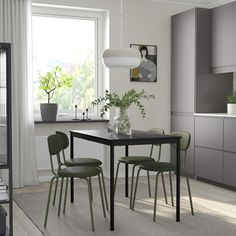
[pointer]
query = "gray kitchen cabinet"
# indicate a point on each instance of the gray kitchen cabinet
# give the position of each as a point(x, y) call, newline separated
point(186, 123)
point(224, 38)
point(229, 171)
point(209, 132)
point(183, 61)
point(215, 148)
point(209, 163)
point(194, 88)
point(230, 135)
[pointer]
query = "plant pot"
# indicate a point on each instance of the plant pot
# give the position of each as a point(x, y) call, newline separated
point(231, 108)
point(48, 111)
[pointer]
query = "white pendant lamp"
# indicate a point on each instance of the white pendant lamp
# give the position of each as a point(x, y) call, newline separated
point(121, 57)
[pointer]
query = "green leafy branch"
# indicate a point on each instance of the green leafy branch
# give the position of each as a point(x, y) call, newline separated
point(231, 98)
point(54, 79)
point(112, 99)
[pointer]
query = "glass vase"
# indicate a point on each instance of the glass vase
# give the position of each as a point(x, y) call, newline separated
point(122, 121)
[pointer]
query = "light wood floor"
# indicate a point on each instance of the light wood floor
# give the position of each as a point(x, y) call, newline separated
point(218, 199)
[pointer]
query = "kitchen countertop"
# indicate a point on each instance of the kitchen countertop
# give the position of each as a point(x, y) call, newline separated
point(226, 115)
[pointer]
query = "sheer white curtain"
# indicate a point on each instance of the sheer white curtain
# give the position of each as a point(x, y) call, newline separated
point(15, 27)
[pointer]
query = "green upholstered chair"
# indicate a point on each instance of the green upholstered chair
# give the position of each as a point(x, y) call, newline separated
point(161, 167)
point(56, 147)
point(136, 160)
point(79, 162)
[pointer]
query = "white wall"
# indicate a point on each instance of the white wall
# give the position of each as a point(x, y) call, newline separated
point(145, 22)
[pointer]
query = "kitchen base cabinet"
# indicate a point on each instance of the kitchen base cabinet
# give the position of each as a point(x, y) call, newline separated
point(185, 122)
point(229, 177)
point(215, 148)
point(208, 164)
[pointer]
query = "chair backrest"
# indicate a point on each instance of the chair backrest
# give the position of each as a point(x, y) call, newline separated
point(65, 139)
point(65, 143)
point(55, 147)
point(184, 145)
point(184, 141)
point(156, 131)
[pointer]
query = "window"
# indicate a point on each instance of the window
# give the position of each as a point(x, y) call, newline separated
point(71, 39)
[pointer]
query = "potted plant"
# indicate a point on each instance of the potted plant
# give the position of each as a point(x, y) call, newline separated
point(112, 99)
point(231, 102)
point(54, 79)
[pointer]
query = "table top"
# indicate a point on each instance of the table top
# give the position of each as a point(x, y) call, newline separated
point(137, 137)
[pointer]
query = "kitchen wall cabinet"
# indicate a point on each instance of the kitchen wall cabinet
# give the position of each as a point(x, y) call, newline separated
point(194, 88)
point(224, 38)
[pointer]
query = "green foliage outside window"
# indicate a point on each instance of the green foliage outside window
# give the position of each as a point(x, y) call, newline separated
point(81, 90)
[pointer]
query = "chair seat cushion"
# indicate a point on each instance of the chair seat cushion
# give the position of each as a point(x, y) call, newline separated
point(158, 166)
point(79, 171)
point(136, 159)
point(83, 162)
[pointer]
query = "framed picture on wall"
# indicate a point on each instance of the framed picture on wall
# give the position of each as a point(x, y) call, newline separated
point(147, 70)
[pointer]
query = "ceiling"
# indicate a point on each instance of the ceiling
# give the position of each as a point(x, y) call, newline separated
point(200, 3)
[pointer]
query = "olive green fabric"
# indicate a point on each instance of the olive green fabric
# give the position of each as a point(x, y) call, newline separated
point(158, 166)
point(184, 141)
point(55, 144)
point(79, 171)
point(93, 162)
point(65, 139)
point(77, 161)
point(136, 159)
point(83, 162)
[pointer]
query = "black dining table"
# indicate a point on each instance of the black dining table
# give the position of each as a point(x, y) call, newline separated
point(137, 137)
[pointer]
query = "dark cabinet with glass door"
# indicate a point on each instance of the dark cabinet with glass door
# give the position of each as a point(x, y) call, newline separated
point(6, 217)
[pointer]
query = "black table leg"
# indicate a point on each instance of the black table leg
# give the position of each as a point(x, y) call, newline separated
point(126, 173)
point(178, 180)
point(112, 228)
point(71, 179)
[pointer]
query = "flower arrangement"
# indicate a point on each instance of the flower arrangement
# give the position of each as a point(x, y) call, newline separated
point(112, 99)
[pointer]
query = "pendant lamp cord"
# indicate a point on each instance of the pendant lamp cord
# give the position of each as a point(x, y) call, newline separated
point(121, 23)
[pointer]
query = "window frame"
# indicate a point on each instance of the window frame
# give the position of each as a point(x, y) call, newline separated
point(80, 13)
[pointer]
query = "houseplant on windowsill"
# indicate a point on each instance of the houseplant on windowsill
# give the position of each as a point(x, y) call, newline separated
point(122, 103)
point(54, 79)
point(231, 103)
